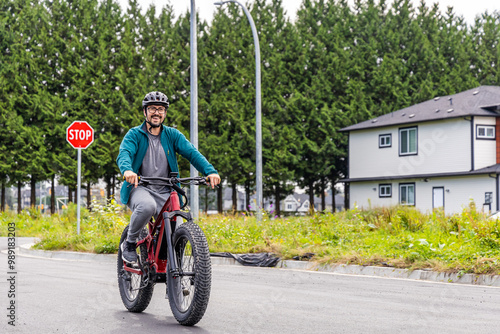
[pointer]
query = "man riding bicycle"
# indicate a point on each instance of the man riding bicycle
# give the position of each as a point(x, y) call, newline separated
point(150, 150)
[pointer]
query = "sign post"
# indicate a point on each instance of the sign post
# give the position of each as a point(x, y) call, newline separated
point(80, 135)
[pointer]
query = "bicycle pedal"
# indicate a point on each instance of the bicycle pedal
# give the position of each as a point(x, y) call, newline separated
point(133, 265)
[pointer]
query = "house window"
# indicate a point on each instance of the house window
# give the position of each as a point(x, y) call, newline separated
point(289, 207)
point(385, 140)
point(408, 141)
point(485, 132)
point(487, 197)
point(384, 190)
point(407, 193)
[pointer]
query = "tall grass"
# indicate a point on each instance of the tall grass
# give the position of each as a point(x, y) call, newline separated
point(100, 229)
point(400, 237)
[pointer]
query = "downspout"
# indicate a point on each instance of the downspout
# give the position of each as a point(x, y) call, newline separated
point(471, 120)
point(347, 194)
point(497, 189)
point(498, 201)
point(497, 142)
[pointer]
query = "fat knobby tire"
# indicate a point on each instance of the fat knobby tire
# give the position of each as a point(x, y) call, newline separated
point(203, 275)
point(141, 301)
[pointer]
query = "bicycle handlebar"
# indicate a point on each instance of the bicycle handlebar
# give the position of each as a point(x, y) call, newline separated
point(172, 181)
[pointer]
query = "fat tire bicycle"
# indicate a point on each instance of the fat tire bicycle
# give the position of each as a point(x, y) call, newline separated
point(168, 253)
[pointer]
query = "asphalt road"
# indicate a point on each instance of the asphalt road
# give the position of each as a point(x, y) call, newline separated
point(59, 296)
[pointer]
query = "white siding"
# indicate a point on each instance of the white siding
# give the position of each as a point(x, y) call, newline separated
point(365, 194)
point(290, 200)
point(443, 146)
point(458, 193)
point(484, 149)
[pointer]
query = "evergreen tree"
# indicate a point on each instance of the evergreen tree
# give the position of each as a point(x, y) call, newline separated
point(108, 101)
point(28, 99)
point(278, 40)
point(6, 71)
point(313, 103)
point(453, 51)
point(485, 49)
point(228, 109)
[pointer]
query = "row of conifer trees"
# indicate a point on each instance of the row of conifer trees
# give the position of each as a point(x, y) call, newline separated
point(331, 66)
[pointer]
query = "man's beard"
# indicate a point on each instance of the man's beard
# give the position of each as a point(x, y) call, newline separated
point(155, 119)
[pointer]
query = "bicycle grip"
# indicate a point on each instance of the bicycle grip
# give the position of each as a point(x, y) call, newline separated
point(138, 178)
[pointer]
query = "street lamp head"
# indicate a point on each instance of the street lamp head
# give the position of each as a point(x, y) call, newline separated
point(218, 3)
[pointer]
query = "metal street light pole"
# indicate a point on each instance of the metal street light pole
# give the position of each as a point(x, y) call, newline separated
point(194, 198)
point(258, 112)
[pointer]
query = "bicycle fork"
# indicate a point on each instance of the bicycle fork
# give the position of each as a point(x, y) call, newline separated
point(167, 217)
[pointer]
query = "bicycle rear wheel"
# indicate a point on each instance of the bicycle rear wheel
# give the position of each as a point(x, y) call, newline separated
point(135, 290)
point(188, 294)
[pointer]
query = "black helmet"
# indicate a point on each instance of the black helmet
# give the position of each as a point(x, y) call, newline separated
point(156, 98)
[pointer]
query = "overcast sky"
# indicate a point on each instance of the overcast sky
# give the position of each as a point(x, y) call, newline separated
point(467, 8)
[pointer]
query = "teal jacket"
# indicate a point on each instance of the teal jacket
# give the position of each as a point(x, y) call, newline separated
point(135, 144)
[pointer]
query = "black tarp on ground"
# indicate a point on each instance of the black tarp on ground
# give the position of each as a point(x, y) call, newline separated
point(253, 259)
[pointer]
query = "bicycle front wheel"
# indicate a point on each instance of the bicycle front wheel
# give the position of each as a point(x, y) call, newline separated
point(188, 293)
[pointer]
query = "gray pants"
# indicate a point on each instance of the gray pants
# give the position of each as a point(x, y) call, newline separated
point(144, 204)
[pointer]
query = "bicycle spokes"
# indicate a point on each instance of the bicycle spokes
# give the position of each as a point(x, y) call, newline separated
point(135, 284)
point(186, 279)
point(132, 284)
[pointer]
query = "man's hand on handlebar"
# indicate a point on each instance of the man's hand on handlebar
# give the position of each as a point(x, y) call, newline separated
point(214, 180)
point(131, 178)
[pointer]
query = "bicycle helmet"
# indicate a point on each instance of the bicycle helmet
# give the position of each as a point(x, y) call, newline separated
point(156, 98)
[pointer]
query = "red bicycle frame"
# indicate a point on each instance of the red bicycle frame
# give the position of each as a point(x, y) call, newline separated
point(172, 205)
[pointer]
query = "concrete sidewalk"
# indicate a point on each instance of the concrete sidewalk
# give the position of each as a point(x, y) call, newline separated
point(386, 272)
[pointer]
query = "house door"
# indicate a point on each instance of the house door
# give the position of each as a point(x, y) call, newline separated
point(438, 197)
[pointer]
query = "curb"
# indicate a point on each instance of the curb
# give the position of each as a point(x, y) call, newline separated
point(343, 269)
point(423, 275)
point(25, 250)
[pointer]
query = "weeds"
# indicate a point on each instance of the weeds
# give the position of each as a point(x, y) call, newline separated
point(400, 237)
point(100, 229)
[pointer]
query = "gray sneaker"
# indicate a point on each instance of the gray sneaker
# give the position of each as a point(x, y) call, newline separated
point(129, 253)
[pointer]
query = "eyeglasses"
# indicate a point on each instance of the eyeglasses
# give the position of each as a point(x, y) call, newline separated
point(159, 110)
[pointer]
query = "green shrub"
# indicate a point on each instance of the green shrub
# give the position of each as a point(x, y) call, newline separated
point(398, 236)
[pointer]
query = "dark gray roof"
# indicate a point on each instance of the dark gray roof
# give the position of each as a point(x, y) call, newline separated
point(301, 198)
point(493, 169)
point(480, 101)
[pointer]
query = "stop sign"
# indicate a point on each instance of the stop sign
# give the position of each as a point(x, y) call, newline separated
point(80, 134)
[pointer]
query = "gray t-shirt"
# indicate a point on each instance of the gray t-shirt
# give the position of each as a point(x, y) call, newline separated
point(155, 162)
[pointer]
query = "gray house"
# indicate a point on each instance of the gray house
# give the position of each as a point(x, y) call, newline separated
point(300, 204)
point(295, 203)
point(442, 153)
